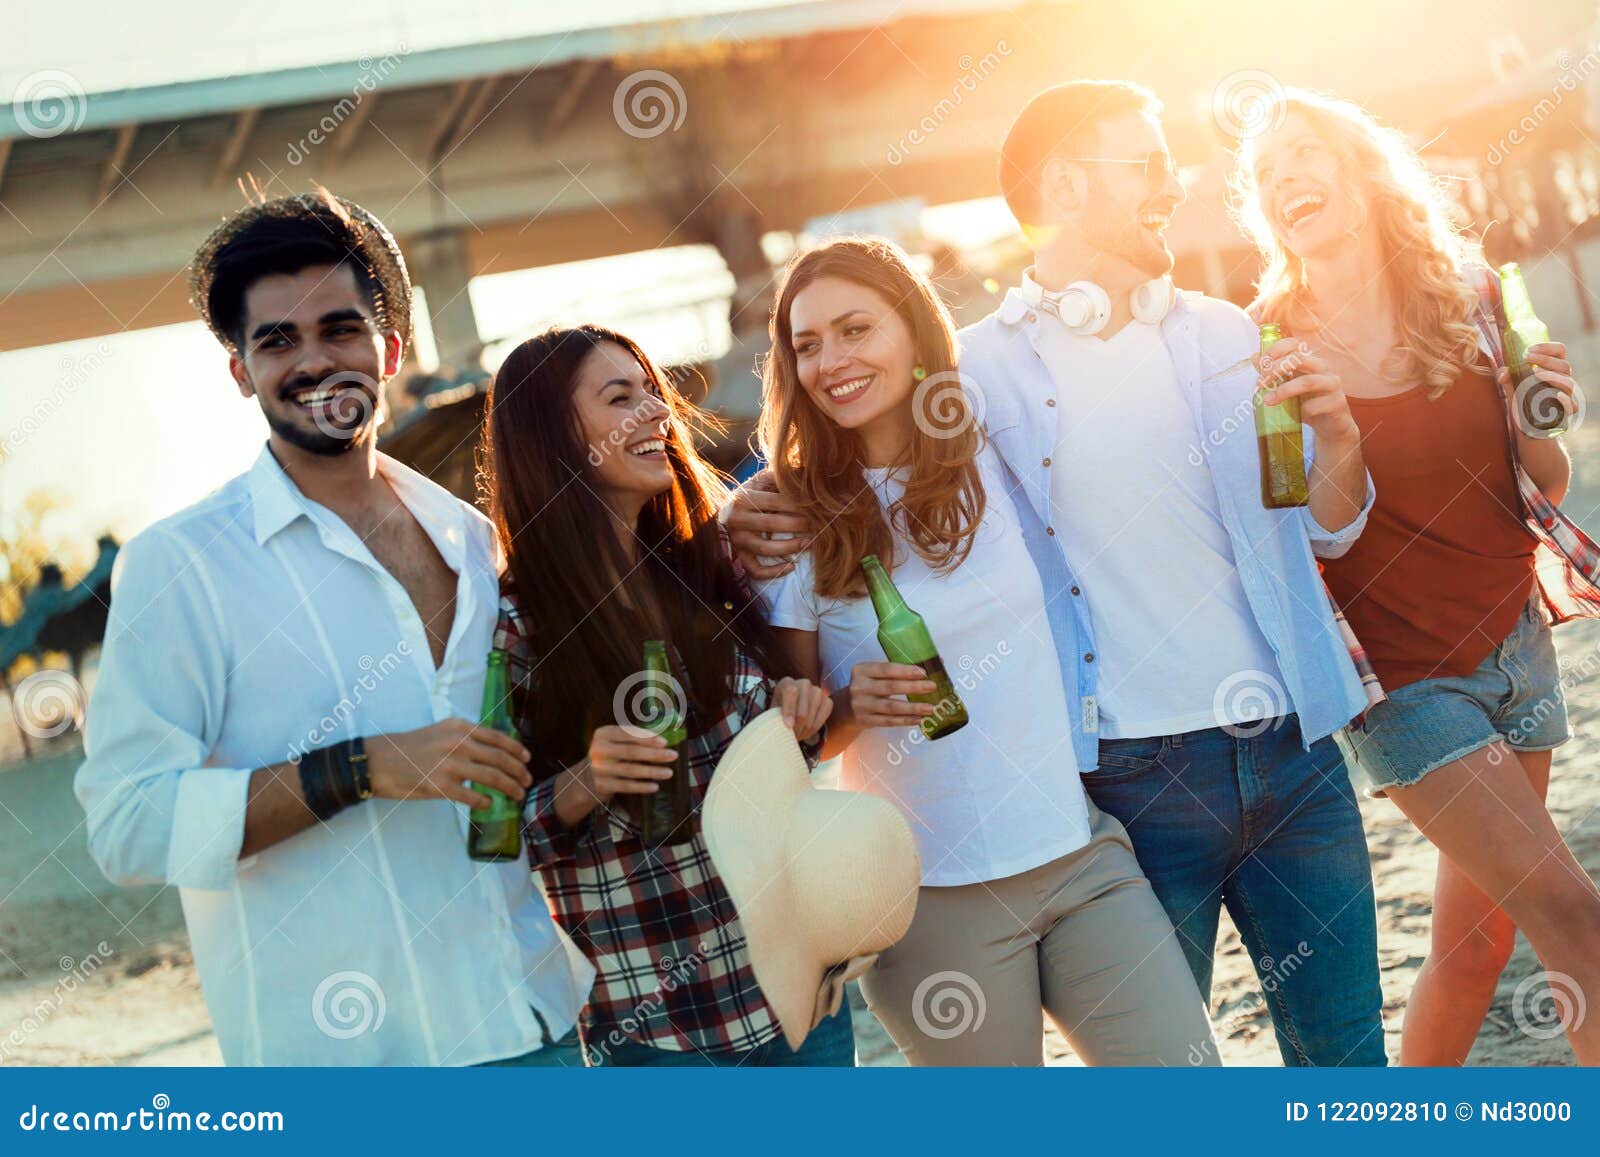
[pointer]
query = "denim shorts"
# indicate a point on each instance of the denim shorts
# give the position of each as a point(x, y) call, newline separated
point(1515, 694)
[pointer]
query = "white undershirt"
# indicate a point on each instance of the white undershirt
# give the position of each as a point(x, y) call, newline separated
point(1136, 510)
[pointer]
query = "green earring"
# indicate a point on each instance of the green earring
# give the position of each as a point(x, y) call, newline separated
point(918, 373)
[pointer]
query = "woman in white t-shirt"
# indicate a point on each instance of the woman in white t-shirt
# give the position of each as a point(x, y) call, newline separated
point(1032, 901)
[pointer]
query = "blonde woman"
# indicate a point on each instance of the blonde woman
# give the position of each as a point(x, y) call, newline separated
point(1032, 901)
point(1375, 288)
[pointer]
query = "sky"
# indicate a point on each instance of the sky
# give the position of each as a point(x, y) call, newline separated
point(130, 427)
point(202, 38)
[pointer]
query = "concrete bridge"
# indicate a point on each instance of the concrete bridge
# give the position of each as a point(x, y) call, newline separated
point(513, 154)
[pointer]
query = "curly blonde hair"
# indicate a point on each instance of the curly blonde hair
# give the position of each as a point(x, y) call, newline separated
point(1424, 252)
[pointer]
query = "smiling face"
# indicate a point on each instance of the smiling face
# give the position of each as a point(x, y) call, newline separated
point(853, 356)
point(315, 358)
point(625, 424)
point(1117, 209)
point(1300, 191)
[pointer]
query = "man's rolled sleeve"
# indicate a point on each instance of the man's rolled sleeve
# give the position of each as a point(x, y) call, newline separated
point(155, 813)
point(1333, 543)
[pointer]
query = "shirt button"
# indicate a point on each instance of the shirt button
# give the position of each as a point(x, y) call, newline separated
point(1050, 530)
point(1049, 401)
point(1089, 658)
point(1075, 590)
point(1032, 317)
point(1047, 462)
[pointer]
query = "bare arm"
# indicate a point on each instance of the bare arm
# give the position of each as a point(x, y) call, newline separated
point(1337, 482)
point(876, 696)
point(432, 762)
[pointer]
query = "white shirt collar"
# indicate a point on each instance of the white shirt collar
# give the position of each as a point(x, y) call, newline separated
point(276, 502)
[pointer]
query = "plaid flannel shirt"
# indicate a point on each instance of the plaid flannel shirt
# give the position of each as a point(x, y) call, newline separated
point(672, 967)
point(1566, 561)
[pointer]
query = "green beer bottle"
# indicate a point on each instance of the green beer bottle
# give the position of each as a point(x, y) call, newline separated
point(667, 815)
point(496, 832)
point(905, 639)
point(1280, 445)
point(1539, 411)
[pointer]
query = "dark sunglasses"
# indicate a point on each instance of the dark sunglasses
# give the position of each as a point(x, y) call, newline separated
point(1157, 165)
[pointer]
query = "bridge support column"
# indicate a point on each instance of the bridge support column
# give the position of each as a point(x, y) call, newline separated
point(438, 263)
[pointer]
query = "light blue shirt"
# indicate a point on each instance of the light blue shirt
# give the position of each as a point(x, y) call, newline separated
point(255, 624)
point(1274, 550)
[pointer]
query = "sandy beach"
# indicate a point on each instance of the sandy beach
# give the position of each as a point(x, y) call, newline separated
point(93, 974)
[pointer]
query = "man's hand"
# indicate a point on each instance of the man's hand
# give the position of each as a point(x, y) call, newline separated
point(756, 513)
point(435, 761)
point(1288, 369)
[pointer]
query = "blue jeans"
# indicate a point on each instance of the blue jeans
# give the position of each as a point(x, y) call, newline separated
point(832, 1044)
point(566, 1053)
point(1251, 820)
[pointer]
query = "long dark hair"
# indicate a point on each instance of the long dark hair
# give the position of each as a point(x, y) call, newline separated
point(564, 560)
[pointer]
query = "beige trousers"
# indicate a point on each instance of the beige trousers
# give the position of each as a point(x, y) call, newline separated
point(1082, 939)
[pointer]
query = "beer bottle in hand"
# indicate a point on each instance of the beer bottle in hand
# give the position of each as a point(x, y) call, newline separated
point(665, 816)
point(496, 832)
point(1280, 445)
point(1539, 412)
point(905, 639)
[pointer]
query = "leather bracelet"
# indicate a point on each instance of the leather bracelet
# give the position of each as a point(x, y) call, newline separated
point(316, 785)
point(334, 777)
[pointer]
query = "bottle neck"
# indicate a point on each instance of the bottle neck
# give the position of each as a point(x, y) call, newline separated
point(1514, 298)
point(496, 694)
point(886, 600)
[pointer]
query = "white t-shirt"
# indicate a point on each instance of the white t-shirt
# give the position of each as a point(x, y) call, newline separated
point(1001, 795)
point(1136, 511)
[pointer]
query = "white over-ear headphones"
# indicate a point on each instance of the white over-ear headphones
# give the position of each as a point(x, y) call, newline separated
point(1084, 307)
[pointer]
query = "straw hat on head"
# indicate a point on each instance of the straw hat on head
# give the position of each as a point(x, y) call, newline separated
point(347, 225)
point(822, 881)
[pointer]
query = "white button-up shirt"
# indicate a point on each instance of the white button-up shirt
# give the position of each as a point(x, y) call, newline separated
point(255, 624)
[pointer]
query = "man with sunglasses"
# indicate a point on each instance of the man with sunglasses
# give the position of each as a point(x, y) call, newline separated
point(1205, 652)
point(1205, 667)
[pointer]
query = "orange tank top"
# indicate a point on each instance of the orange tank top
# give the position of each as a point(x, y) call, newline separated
point(1445, 564)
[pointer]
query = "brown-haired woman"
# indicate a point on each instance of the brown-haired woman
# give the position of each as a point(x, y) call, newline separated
point(1032, 900)
point(608, 519)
